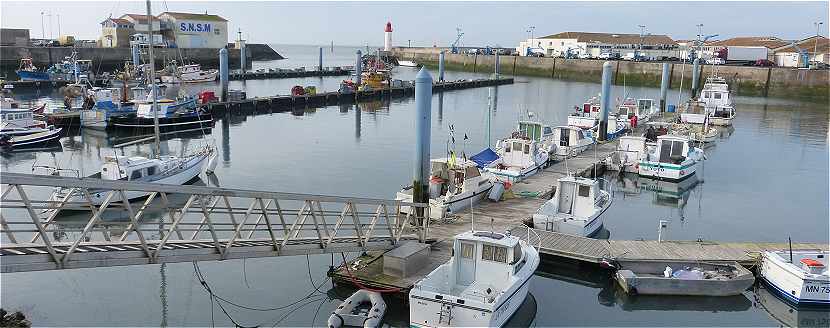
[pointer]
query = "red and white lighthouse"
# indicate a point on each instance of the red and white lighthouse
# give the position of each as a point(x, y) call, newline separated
point(387, 33)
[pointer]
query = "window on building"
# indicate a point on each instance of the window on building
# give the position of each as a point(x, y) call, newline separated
point(468, 250)
point(216, 31)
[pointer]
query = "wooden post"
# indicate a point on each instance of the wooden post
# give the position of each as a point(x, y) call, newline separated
point(671, 75)
point(475, 62)
point(553, 69)
point(514, 64)
point(766, 84)
point(616, 72)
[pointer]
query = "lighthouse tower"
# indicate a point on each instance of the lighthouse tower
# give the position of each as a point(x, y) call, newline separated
point(387, 40)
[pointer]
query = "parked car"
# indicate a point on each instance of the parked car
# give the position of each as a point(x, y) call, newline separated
point(584, 56)
point(764, 63)
point(629, 56)
point(606, 55)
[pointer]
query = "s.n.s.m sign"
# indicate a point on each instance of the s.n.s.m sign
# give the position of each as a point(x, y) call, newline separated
point(194, 27)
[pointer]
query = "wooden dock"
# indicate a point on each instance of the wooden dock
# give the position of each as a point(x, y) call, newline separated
point(334, 98)
point(527, 196)
point(287, 73)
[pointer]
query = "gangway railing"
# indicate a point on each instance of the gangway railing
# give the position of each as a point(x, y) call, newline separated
point(54, 222)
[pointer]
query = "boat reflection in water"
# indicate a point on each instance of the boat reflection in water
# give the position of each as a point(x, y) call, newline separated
point(665, 193)
point(788, 315)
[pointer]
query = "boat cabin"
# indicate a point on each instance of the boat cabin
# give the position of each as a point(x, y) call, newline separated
point(26, 65)
point(670, 149)
point(534, 130)
point(481, 266)
point(517, 152)
point(645, 106)
point(576, 197)
point(570, 140)
point(715, 93)
point(449, 178)
point(18, 118)
point(130, 168)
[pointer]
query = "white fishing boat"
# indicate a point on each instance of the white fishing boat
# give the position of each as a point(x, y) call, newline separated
point(801, 276)
point(716, 98)
point(482, 285)
point(569, 141)
point(19, 121)
point(673, 158)
point(694, 112)
point(454, 185)
point(163, 169)
point(587, 117)
point(524, 153)
point(626, 158)
point(576, 207)
point(191, 73)
point(407, 63)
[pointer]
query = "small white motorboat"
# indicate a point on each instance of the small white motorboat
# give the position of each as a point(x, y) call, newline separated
point(684, 278)
point(454, 185)
point(569, 141)
point(576, 207)
point(363, 309)
point(626, 158)
point(801, 277)
point(694, 112)
point(717, 100)
point(673, 158)
point(482, 285)
point(407, 63)
point(587, 118)
point(191, 73)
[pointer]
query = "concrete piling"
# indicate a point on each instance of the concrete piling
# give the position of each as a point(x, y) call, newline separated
point(223, 72)
point(320, 60)
point(441, 66)
point(602, 133)
point(358, 69)
point(136, 56)
point(243, 57)
point(695, 76)
point(496, 64)
point(423, 119)
point(664, 87)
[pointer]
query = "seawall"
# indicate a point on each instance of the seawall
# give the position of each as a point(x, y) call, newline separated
point(109, 58)
point(782, 82)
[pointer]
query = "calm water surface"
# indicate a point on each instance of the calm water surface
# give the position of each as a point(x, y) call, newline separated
point(764, 180)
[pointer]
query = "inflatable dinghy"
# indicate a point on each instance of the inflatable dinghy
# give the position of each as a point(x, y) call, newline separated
point(363, 309)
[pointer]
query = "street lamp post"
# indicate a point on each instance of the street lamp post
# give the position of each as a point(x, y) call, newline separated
point(409, 43)
point(42, 26)
point(642, 35)
point(699, 40)
point(818, 33)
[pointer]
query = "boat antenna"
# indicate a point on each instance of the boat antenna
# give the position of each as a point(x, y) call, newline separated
point(472, 217)
point(488, 113)
point(790, 242)
point(153, 78)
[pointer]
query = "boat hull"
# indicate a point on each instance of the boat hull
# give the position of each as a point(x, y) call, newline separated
point(792, 287)
point(33, 76)
point(666, 171)
point(721, 121)
point(165, 123)
point(634, 281)
point(33, 139)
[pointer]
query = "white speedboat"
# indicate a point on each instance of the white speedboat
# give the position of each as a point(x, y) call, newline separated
point(454, 185)
point(482, 284)
point(801, 277)
point(694, 112)
point(673, 158)
point(519, 158)
point(191, 73)
point(576, 207)
point(626, 158)
point(587, 118)
point(569, 141)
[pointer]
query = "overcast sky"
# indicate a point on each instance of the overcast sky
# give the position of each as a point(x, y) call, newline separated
point(428, 23)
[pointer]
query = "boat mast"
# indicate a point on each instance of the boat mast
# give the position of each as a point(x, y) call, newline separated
point(153, 78)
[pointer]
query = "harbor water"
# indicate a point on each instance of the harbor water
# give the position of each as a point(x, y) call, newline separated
point(765, 180)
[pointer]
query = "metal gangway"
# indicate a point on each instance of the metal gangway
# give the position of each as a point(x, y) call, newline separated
point(91, 223)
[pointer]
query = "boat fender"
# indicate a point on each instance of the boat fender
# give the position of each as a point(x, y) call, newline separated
point(335, 321)
point(667, 273)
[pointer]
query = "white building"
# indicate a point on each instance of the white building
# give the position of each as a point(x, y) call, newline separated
point(815, 47)
point(594, 44)
point(187, 30)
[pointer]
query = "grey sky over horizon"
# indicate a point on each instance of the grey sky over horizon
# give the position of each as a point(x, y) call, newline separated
point(434, 23)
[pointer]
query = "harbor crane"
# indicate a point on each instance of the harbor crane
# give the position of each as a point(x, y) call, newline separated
point(455, 44)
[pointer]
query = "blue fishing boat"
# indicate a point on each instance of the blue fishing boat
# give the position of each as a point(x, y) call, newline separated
point(28, 72)
point(70, 69)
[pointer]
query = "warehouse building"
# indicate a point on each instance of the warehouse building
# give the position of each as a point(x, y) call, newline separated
point(576, 44)
point(173, 29)
point(793, 55)
point(187, 30)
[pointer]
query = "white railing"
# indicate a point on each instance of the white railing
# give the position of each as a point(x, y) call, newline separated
point(168, 220)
